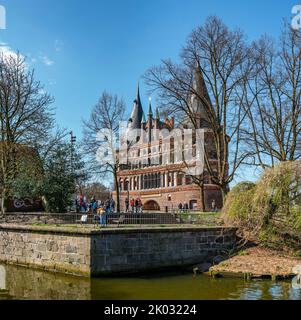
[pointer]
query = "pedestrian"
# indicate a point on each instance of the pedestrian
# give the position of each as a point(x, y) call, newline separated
point(112, 205)
point(186, 207)
point(140, 205)
point(133, 205)
point(102, 217)
point(77, 208)
point(213, 206)
point(180, 207)
point(82, 204)
point(127, 205)
point(136, 205)
point(107, 206)
point(94, 206)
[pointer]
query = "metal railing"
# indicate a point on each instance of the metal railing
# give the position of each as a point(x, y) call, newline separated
point(114, 219)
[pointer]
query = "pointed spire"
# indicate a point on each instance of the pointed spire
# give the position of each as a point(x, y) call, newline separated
point(136, 116)
point(138, 93)
point(200, 100)
point(157, 117)
point(150, 111)
point(199, 84)
point(143, 121)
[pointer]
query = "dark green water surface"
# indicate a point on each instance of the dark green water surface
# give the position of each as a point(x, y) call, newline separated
point(22, 283)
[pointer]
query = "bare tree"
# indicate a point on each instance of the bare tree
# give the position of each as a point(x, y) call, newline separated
point(101, 136)
point(272, 99)
point(25, 117)
point(203, 88)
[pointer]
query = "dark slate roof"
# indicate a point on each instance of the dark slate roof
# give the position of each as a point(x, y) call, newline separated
point(137, 113)
point(157, 117)
point(200, 85)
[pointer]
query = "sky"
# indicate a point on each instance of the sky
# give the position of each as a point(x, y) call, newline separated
point(81, 48)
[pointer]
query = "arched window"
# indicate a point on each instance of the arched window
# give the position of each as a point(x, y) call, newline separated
point(126, 184)
point(180, 179)
point(188, 180)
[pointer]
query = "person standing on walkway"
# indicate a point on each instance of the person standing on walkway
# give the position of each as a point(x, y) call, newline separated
point(127, 205)
point(112, 205)
point(107, 206)
point(140, 205)
point(180, 207)
point(102, 216)
point(94, 206)
point(136, 205)
point(132, 205)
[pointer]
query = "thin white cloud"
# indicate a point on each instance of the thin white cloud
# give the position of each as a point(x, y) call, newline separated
point(7, 51)
point(47, 61)
point(58, 45)
point(52, 82)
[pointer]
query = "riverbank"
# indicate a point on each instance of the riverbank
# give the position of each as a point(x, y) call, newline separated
point(93, 252)
point(257, 262)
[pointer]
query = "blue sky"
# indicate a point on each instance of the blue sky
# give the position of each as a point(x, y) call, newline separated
point(80, 48)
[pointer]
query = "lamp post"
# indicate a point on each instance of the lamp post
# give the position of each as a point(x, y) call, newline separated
point(128, 190)
point(120, 190)
point(72, 142)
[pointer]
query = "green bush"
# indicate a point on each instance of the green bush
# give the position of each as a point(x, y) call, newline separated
point(270, 210)
point(238, 203)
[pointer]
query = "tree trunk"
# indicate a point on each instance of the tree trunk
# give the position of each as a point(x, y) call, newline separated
point(225, 191)
point(117, 192)
point(202, 199)
point(3, 203)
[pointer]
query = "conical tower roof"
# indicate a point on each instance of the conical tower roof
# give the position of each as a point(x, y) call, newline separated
point(136, 116)
point(150, 110)
point(157, 117)
point(143, 118)
point(200, 99)
point(199, 84)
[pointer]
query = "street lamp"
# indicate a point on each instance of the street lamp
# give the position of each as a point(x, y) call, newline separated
point(128, 190)
point(72, 141)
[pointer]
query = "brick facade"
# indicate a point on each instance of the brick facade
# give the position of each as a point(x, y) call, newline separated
point(155, 171)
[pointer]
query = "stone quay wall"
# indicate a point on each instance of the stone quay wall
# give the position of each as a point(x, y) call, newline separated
point(86, 252)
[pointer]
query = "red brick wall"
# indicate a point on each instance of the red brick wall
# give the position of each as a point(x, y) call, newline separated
point(178, 195)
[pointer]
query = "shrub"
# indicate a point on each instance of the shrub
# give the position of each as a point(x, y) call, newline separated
point(270, 210)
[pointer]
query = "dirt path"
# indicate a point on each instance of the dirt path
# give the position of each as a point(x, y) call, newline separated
point(257, 262)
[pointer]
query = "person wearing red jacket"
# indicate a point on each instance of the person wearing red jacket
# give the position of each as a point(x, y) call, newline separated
point(132, 205)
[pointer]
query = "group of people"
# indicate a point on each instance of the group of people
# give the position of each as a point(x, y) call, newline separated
point(98, 208)
point(93, 206)
point(134, 204)
point(183, 207)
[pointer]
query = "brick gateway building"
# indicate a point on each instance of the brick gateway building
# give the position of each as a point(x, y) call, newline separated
point(163, 185)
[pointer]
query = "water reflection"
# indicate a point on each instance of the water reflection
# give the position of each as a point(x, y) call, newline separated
point(22, 283)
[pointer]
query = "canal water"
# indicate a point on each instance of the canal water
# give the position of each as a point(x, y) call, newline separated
point(22, 283)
